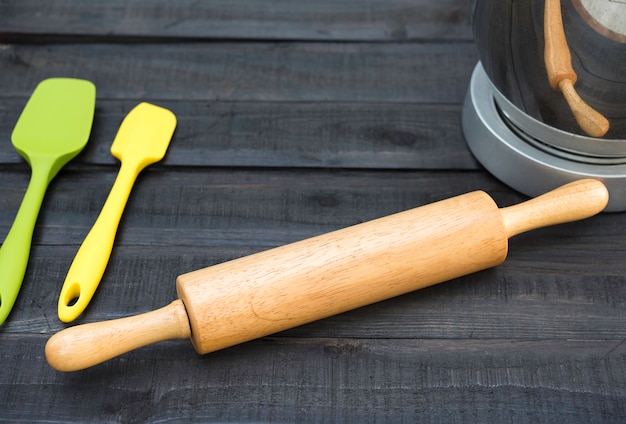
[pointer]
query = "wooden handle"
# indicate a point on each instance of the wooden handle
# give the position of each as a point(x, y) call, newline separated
point(86, 345)
point(589, 120)
point(561, 74)
point(556, 52)
point(291, 285)
point(571, 202)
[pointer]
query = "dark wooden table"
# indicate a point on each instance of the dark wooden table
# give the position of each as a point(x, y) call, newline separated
point(295, 118)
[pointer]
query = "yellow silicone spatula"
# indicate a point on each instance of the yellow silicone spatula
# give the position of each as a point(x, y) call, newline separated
point(142, 139)
point(53, 128)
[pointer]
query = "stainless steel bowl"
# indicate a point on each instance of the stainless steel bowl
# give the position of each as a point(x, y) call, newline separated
point(519, 127)
point(509, 36)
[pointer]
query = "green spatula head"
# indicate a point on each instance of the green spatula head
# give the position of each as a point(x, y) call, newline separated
point(53, 128)
point(56, 121)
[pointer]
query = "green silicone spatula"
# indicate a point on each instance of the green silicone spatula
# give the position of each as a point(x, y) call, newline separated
point(53, 128)
point(142, 139)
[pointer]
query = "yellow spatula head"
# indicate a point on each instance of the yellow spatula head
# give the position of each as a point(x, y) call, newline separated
point(144, 134)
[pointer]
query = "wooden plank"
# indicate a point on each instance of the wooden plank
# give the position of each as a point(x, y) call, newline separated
point(326, 380)
point(363, 20)
point(215, 207)
point(251, 134)
point(210, 207)
point(515, 300)
point(303, 72)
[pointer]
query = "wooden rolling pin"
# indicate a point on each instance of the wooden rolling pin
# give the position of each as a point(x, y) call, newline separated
point(561, 74)
point(295, 284)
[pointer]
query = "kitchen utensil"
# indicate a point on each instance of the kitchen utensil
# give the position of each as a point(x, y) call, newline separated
point(561, 74)
point(142, 139)
point(52, 129)
point(271, 291)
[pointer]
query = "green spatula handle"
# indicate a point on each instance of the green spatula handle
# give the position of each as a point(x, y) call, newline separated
point(92, 258)
point(15, 249)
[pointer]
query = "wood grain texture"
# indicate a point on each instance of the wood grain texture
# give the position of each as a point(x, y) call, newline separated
point(284, 134)
point(295, 119)
point(362, 72)
point(356, 20)
point(339, 380)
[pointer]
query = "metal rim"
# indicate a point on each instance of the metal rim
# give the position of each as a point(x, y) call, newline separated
point(593, 148)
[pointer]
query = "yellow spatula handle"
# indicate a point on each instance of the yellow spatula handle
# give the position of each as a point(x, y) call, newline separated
point(92, 258)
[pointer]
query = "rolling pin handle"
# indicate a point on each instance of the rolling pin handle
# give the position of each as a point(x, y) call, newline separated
point(571, 202)
point(83, 346)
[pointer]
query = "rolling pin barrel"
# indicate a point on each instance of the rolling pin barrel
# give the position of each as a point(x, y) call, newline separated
point(281, 288)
